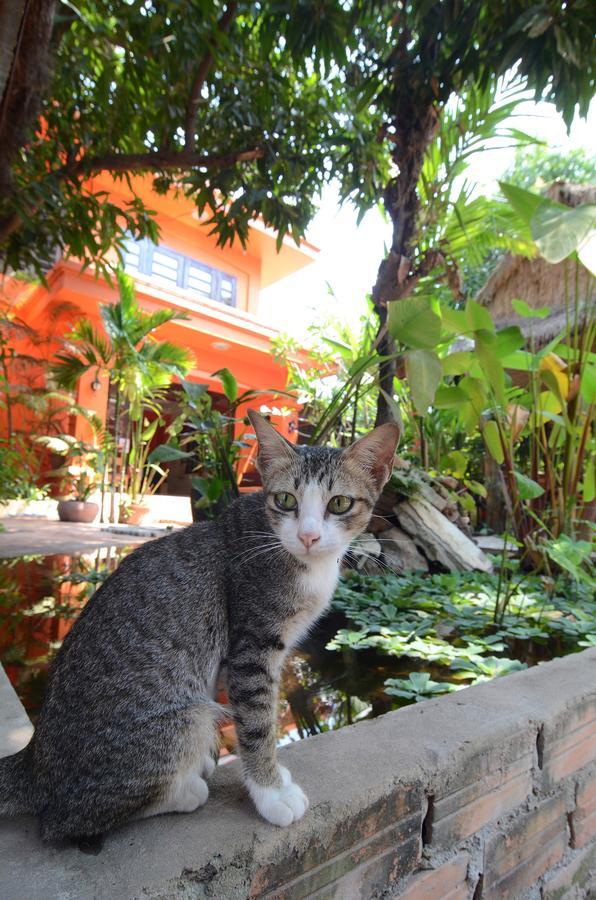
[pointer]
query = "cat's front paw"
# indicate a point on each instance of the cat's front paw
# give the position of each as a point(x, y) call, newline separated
point(280, 806)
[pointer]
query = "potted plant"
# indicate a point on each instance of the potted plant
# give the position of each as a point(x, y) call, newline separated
point(78, 477)
point(208, 439)
point(145, 476)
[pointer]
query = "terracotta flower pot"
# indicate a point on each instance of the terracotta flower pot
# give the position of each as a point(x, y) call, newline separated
point(133, 514)
point(77, 510)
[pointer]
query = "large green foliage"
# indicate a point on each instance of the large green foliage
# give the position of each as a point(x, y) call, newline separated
point(250, 108)
point(549, 411)
point(138, 368)
point(234, 105)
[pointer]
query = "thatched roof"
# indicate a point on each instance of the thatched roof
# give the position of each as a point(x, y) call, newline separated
point(538, 282)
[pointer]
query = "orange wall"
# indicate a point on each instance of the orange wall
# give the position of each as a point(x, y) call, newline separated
point(181, 230)
point(247, 355)
point(217, 335)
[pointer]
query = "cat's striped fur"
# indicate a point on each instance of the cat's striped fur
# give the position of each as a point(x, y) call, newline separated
point(129, 726)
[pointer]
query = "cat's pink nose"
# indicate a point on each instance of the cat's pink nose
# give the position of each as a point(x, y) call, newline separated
point(309, 538)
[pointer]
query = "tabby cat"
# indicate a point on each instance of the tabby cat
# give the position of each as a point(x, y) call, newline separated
point(128, 728)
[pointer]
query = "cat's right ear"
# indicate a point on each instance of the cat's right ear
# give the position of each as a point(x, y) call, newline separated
point(271, 444)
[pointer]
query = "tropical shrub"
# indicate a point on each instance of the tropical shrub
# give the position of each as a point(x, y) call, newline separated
point(80, 474)
point(336, 385)
point(19, 473)
point(210, 439)
point(138, 368)
point(541, 434)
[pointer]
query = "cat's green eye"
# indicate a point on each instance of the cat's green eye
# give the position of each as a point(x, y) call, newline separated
point(285, 501)
point(339, 505)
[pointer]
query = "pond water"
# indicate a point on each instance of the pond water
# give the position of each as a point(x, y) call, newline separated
point(41, 596)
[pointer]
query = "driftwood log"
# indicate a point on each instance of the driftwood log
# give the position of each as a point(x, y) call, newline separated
point(418, 527)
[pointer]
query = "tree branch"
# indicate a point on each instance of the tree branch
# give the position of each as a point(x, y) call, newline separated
point(223, 26)
point(156, 160)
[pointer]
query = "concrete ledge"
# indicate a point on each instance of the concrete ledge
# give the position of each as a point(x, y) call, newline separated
point(15, 727)
point(39, 509)
point(26, 536)
point(450, 798)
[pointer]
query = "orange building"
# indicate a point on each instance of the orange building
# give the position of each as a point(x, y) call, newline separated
point(217, 288)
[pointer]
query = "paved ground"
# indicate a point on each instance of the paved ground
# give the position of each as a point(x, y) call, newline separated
point(28, 534)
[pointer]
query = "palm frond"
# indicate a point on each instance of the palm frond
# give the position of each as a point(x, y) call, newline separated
point(66, 370)
point(127, 297)
point(169, 356)
point(90, 342)
point(472, 228)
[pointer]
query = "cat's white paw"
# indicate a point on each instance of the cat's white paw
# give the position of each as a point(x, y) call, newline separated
point(280, 806)
point(208, 767)
point(192, 793)
point(186, 793)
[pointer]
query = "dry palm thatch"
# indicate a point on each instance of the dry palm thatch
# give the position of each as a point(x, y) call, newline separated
point(538, 282)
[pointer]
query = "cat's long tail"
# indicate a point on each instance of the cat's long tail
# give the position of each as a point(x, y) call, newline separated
point(15, 785)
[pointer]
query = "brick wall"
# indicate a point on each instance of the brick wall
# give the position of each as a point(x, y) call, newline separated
point(484, 794)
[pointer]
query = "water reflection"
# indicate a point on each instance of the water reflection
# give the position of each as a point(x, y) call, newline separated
point(41, 596)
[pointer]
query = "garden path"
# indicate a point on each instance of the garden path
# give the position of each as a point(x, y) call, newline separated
point(24, 535)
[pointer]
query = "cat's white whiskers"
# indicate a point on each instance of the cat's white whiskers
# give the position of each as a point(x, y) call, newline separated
point(376, 559)
point(253, 552)
point(263, 552)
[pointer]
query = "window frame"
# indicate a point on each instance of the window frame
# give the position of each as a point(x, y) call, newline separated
point(184, 263)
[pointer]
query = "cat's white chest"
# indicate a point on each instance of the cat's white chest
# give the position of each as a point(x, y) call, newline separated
point(319, 581)
point(317, 585)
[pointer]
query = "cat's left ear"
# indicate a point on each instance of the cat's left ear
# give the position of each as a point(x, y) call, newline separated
point(375, 452)
point(271, 444)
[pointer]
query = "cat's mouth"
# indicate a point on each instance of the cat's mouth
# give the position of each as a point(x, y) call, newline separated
point(315, 552)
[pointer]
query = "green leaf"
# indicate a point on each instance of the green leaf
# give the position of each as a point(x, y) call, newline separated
point(520, 362)
point(211, 488)
point(456, 463)
point(457, 363)
point(476, 488)
point(587, 253)
point(229, 384)
point(522, 309)
point(454, 320)
point(478, 317)
point(414, 322)
point(492, 368)
point(525, 203)
point(470, 412)
point(508, 341)
point(573, 556)
point(560, 232)
point(588, 383)
point(528, 489)
point(167, 453)
point(449, 396)
point(423, 369)
point(194, 391)
point(490, 433)
point(149, 432)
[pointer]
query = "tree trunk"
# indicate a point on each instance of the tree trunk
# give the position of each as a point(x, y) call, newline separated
point(397, 275)
point(11, 18)
point(25, 33)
